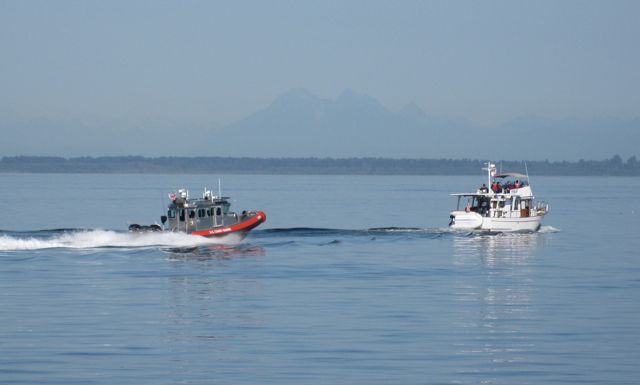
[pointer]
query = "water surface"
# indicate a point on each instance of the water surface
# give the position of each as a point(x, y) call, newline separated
point(317, 294)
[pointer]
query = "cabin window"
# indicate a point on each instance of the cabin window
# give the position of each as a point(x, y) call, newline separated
point(192, 213)
point(218, 211)
point(200, 213)
point(171, 213)
point(181, 215)
point(508, 203)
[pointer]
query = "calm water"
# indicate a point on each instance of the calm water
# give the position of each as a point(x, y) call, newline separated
point(312, 296)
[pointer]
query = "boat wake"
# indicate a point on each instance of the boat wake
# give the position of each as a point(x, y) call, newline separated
point(548, 229)
point(320, 232)
point(411, 232)
point(96, 238)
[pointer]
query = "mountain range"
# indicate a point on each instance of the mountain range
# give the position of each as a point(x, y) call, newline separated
point(300, 124)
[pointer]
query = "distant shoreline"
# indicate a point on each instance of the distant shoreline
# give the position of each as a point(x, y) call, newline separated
point(614, 166)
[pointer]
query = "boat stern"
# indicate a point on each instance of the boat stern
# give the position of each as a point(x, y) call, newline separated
point(464, 220)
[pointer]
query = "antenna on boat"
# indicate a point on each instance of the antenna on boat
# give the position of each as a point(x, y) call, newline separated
point(491, 171)
point(527, 172)
point(219, 189)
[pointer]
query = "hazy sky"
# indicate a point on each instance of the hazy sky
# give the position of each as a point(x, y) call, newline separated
point(207, 62)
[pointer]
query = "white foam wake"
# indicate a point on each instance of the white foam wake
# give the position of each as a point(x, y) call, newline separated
point(548, 229)
point(106, 238)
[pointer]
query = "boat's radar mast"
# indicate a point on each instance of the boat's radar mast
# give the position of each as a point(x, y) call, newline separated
point(207, 194)
point(491, 171)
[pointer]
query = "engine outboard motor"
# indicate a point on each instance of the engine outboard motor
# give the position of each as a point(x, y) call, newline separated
point(136, 228)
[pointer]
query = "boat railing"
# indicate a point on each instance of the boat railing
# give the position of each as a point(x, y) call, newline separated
point(508, 213)
point(542, 207)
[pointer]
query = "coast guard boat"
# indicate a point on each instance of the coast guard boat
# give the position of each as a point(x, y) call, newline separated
point(504, 204)
point(208, 216)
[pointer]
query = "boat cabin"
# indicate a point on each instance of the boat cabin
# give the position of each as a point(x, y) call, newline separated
point(185, 214)
point(496, 205)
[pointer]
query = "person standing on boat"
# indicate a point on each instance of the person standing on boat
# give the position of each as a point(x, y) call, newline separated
point(484, 188)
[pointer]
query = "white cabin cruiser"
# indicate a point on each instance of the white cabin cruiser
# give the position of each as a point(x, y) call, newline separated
point(504, 204)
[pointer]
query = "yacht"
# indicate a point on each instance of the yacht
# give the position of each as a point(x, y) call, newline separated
point(504, 204)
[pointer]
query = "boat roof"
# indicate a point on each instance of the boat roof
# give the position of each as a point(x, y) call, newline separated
point(470, 194)
point(201, 202)
point(491, 194)
point(511, 174)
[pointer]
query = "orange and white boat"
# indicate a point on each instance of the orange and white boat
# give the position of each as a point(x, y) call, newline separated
point(207, 216)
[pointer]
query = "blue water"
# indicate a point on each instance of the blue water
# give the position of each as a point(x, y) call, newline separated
point(314, 296)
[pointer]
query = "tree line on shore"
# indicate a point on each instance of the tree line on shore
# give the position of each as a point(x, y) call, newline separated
point(615, 166)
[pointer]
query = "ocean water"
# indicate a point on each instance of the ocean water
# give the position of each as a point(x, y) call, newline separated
point(352, 280)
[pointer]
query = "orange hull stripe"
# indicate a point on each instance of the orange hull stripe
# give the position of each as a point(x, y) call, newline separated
point(242, 226)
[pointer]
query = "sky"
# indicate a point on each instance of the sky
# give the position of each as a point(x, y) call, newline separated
point(209, 63)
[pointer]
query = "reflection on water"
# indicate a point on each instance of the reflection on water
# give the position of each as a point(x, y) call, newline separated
point(495, 296)
point(214, 252)
point(496, 249)
point(210, 308)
